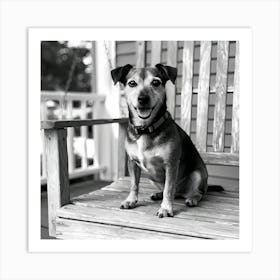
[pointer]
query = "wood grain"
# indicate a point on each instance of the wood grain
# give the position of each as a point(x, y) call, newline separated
point(217, 216)
point(71, 229)
point(220, 158)
point(79, 123)
point(155, 53)
point(235, 105)
point(150, 222)
point(97, 215)
point(203, 95)
point(57, 174)
point(215, 207)
point(170, 88)
point(221, 92)
point(186, 92)
point(140, 54)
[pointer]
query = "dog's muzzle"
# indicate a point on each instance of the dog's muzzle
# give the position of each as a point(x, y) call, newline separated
point(143, 113)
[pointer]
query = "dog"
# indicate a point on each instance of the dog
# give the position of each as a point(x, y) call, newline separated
point(155, 144)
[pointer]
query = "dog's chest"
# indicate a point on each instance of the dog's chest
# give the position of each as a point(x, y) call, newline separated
point(150, 158)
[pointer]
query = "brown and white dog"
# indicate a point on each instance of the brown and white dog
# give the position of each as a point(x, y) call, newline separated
point(155, 144)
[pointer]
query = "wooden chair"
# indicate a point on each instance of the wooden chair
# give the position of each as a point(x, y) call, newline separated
point(97, 214)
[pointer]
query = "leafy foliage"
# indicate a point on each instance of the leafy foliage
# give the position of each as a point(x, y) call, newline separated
point(57, 60)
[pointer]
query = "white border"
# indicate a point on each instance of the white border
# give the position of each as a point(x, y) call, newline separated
point(243, 244)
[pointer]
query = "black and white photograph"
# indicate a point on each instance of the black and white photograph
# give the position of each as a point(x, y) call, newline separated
point(140, 139)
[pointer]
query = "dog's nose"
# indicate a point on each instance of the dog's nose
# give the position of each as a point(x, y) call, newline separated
point(143, 99)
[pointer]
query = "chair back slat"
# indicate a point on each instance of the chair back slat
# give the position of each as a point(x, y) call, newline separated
point(155, 52)
point(203, 95)
point(84, 135)
point(170, 88)
point(140, 54)
point(186, 92)
point(208, 72)
point(221, 93)
point(235, 105)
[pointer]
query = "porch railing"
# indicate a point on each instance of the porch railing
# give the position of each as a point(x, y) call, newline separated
point(82, 156)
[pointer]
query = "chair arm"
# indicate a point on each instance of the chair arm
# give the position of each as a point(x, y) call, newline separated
point(55, 135)
point(56, 124)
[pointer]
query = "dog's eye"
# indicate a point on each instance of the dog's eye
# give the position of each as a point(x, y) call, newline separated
point(132, 83)
point(156, 83)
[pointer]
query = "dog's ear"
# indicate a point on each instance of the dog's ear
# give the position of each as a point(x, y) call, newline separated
point(118, 74)
point(170, 73)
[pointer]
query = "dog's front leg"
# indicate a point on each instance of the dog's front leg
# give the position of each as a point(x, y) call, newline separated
point(134, 172)
point(166, 207)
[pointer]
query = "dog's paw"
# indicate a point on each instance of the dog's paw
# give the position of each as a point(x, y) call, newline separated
point(128, 204)
point(191, 202)
point(162, 212)
point(156, 196)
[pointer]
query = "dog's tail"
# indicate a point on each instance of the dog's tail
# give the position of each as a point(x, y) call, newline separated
point(215, 188)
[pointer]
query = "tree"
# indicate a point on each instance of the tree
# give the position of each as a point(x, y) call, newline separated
point(57, 60)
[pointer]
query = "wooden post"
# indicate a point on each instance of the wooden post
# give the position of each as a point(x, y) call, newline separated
point(43, 118)
point(95, 108)
point(107, 138)
point(121, 150)
point(57, 173)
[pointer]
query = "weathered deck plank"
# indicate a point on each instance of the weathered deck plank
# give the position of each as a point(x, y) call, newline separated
point(72, 229)
point(175, 225)
point(97, 215)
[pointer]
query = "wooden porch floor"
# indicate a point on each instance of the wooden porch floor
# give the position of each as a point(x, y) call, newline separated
point(97, 215)
point(76, 189)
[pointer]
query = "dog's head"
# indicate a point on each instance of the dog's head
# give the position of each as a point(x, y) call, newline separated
point(144, 89)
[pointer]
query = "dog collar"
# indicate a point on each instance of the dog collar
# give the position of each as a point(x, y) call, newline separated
point(149, 129)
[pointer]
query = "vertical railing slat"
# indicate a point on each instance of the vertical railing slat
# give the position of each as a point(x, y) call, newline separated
point(155, 53)
point(94, 107)
point(140, 54)
point(60, 110)
point(70, 137)
point(95, 115)
point(170, 88)
point(186, 92)
point(203, 95)
point(121, 150)
point(221, 92)
point(235, 105)
point(84, 134)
